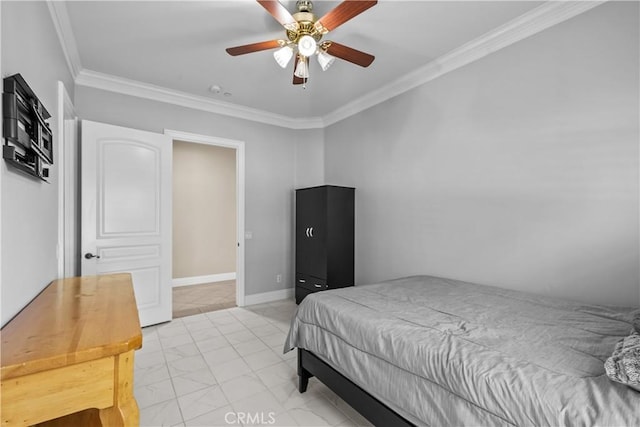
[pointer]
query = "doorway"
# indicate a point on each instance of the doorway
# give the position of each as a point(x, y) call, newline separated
point(208, 223)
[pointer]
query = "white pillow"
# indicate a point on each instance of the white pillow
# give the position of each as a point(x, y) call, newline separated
point(624, 364)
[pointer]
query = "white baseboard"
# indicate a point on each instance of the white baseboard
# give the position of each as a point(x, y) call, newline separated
point(268, 296)
point(198, 280)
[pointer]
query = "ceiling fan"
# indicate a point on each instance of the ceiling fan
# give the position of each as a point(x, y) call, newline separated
point(304, 34)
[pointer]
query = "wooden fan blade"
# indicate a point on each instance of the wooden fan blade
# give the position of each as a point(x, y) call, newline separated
point(350, 54)
point(296, 80)
point(278, 11)
point(254, 47)
point(342, 13)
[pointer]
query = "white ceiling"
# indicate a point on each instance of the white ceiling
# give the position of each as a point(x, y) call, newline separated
point(180, 45)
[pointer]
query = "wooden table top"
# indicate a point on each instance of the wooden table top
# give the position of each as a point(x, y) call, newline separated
point(72, 320)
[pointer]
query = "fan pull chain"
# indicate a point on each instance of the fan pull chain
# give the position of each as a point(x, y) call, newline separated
point(304, 81)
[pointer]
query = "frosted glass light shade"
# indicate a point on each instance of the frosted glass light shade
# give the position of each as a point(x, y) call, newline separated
point(307, 46)
point(325, 60)
point(283, 56)
point(302, 70)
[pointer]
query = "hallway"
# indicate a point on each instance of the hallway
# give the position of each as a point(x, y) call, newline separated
point(196, 299)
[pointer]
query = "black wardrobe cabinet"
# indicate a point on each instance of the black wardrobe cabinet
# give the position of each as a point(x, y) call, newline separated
point(325, 219)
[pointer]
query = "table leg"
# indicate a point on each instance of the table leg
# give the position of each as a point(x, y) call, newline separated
point(124, 411)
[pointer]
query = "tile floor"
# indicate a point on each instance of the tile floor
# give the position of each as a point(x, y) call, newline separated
point(195, 299)
point(215, 368)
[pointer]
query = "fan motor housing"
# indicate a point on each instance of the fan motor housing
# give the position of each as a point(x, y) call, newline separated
point(306, 27)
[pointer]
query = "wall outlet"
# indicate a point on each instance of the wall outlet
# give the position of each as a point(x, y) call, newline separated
point(278, 278)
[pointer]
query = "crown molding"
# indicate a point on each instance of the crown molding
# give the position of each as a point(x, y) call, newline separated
point(62, 24)
point(536, 20)
point(85, 77)
point(138, 89)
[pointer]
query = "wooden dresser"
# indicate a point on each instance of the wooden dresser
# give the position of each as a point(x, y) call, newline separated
point(71, 349)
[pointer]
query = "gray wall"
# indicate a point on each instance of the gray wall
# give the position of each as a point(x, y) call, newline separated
point(270, 154)
point(310, 159)
point(29, 207)
point(519, 170)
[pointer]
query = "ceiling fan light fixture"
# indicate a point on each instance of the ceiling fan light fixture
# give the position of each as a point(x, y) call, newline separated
point(304, 32)
point(307, 46)
point(302, 69)
point(325, 60)
point(283, 56)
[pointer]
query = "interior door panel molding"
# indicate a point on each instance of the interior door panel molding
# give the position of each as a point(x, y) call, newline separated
point(145, 298)
point(130, 152)
point(118, 253)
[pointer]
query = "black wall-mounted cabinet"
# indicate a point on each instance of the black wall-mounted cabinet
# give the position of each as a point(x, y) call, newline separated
point(325, 225)
point(28, 139)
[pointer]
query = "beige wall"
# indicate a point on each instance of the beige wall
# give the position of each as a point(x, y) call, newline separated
point(204, 209)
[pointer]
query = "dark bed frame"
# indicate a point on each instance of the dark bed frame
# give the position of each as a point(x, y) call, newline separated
point(310, 365)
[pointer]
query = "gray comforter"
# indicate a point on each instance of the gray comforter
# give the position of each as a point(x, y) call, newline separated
point(445, 352)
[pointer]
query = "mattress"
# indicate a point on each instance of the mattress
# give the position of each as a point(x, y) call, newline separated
point(445, 352)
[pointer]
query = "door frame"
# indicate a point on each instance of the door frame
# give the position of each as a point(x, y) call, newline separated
point(240, 172)
point(66, 111)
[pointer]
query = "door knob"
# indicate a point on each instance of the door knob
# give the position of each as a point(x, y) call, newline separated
point(89, 255)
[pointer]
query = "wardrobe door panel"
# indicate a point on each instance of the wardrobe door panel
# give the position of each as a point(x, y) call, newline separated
point(311, 232)
point(340, 244)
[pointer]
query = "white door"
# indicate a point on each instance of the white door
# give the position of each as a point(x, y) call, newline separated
point(126, 211)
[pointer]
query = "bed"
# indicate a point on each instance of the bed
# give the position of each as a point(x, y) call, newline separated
point(425, 350)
